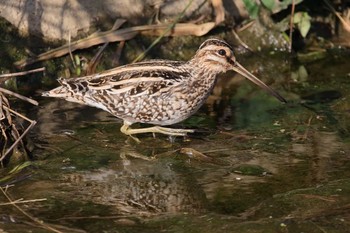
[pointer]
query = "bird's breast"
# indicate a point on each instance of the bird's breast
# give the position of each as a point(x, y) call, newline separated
point(176, 105)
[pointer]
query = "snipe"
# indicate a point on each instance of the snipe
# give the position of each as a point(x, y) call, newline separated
point(158, 92)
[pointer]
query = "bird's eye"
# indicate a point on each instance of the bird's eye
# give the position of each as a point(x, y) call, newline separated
point(222, 52)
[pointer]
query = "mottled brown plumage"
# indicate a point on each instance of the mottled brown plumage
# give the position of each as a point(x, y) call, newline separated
point(158, 92)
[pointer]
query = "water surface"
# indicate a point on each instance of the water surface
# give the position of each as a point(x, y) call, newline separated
point(254, 164)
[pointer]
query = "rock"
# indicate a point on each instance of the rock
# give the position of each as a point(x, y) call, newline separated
point(61, 19)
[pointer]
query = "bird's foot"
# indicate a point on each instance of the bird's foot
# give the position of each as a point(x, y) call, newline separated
point(154, 129)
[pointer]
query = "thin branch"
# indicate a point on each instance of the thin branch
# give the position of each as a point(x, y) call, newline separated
point(246, 26)
point(345, 24)
point(32, 123)
point(70, 50)
point(36, 220)
point(92, 64)
point(166, 31)
point(22, 73)
point(3, 90)
point(4, 77)
point(118, 54)
point(20, 201)
point(123, 34)
point(240, 41)
point(291, 26)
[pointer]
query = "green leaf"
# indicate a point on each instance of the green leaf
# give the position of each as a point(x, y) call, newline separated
point(297, 17)
point(300, 75)
point(12, 174)
point(252, 7)
point(302, 21)
point(20, 167)
point(304, 27)
point(278, 5)
point(305, 24)
point(269, 4)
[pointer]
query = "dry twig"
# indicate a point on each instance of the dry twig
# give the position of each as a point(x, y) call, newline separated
point(18, 139)
point(291, 26)
point(179, 29)
point(344, 22)
point(8, 92)
point(164, 33)
point(93, 63)
point(8, 128)
point(21, 201)
point(4, 77)
point(34, 219)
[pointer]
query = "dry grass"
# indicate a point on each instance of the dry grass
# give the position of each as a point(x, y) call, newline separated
point(12, 132)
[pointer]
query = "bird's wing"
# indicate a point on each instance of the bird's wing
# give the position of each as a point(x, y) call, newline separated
point(149, 77)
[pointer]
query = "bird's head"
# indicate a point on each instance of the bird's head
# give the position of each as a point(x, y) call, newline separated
point(217, 56)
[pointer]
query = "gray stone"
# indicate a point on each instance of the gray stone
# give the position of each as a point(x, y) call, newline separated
point(61, 19)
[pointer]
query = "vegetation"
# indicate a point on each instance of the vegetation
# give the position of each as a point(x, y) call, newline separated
point(289, 156)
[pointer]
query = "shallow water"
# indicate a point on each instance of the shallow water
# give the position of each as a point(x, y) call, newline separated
point(254, 164)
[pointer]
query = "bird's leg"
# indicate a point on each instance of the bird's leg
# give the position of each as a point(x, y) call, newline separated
point(125, 130)
point(155, 129)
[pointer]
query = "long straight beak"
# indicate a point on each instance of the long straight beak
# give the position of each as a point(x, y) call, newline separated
point(245, 73)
